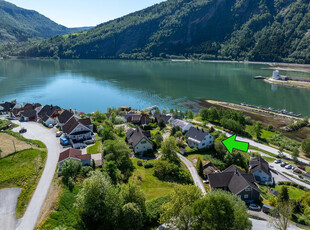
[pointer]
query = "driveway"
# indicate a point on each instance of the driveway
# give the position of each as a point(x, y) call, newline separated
point(260, 224)
point(193, 171)
point(8, 201)
point(36, 131)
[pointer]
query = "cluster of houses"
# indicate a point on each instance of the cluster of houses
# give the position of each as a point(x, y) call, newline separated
point(140, 140)
point(240, 183)
point(76, 131)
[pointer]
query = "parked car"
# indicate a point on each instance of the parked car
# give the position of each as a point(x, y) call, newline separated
point(277, 161)
point(288, 167)
point(301, 167)
point(58, 134)
point(50, 125)
point(22, 130)
point(254, 207)
point(267, 209)
point(283, 164)
point(297, 170)
point(64, 141)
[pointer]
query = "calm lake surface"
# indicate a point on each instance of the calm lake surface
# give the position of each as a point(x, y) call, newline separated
point(88, 85)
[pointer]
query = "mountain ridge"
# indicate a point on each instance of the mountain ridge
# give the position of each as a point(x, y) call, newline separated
point(254, 30)
point(20, 25)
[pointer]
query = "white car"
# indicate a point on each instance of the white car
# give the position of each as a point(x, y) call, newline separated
point(277, 161)
point(288, 167)
point(254, 207)
point(58, 134)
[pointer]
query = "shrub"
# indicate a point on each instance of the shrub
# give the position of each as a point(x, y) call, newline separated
point(139, 163)
point(153, 209)
point(148, 165)
point(85, 171)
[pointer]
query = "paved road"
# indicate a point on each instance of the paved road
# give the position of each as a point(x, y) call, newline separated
point(255, 144)
point(8, 201)
point(264, 225)
point(48, 137)
point(193, 171)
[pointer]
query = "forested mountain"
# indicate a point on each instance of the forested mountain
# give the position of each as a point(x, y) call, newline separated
point(260, 30)
point(18, 24)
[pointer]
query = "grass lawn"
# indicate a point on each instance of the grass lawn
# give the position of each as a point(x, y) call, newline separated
point(151, 186)
point(22, 169)
point(65, 214)
point(96, 148)
point(265, 134)
point(294, 193)
point(268, 159)
point(4, 123)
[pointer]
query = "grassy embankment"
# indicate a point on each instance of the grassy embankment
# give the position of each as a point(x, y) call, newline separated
point(96, 148)
point(151, 185)
point(22, 169)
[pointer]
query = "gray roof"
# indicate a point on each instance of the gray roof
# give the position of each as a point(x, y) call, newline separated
point(72, 124)
point(29, 113)
point(257, 163)
point(233, 179)
point(165, 118)
point(134, 136)
point(7, 106)
point(196, 133)
point(48, 110)
point(180, 123)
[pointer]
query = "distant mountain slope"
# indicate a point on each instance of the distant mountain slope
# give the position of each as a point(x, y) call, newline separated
point(259, 30)
point(17, 24)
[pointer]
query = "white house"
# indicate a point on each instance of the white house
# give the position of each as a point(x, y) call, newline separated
point(139, 140)
point(78, 129)
point(184, 125)
point(199, 138)
point(47, 120)
point(276, 75)
point(260, 169)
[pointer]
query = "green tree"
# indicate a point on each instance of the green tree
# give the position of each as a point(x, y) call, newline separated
point(258, 127)
point(158, 139)
point(190, 114)
point(119, 152)
point(70, 184)
point(213, 114)
point(99, 202)
point(111, 169)
point(221, 210)
point(131, 193)
point(178, 134)
point(305, 145)
point(178, 213)
point(132, 217)
point(169, 150)
point(161, 124)
point(70, 169)
point(295, 154)
point(199, 167)
point(157, 111)
point(283, 194)
point(204, 114)
point(98, 116)
point(106, 132)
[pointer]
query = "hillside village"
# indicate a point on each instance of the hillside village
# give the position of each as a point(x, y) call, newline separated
point(154, 139)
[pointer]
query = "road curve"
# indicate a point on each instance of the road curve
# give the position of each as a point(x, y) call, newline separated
point(36, 131)
point(193, 171)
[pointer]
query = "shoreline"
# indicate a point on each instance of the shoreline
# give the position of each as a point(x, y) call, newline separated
point(281, 83)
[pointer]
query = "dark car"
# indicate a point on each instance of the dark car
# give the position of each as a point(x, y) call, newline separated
point(301, 167)
point(23, 130)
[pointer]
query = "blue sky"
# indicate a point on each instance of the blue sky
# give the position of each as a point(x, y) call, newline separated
point(75, 13)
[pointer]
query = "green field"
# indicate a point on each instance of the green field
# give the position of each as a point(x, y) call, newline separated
point(22, 169)
point(151, 186)
point(96, 148)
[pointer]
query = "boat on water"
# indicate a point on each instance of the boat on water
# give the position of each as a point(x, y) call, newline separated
point(282, 111)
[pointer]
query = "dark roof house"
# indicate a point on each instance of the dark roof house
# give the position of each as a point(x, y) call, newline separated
point(49, 110)
point(135, 136)
point(260, 169)
point(164, 117)
point(196, 133)
point(237, 182)
point(65, 116)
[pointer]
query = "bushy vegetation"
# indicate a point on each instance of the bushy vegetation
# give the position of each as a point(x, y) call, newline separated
point(260, 31)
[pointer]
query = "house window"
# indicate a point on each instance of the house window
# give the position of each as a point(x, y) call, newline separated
point(246, 196)
point(248, 189)
point(203, 144)
point(239, 196)
point(143, 142)
point(210, 142)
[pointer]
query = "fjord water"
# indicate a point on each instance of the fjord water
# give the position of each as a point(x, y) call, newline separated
point(88, 85)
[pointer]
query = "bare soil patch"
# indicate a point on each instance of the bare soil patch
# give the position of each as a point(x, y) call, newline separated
point(7, 144)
